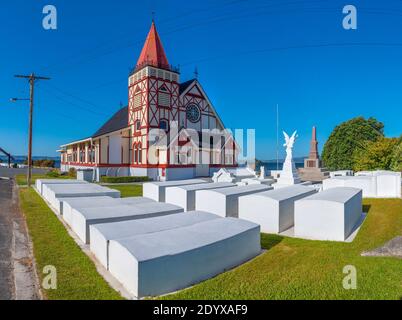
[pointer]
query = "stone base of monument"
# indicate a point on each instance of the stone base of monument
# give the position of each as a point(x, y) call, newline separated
point(313, 174)
point(328, 215)
point(273, 210)
point(184, 196)
point(156, 190)
point(102, 234)
point(225, 202)
point(161, 262)
point(85, 217)
point(69, 204)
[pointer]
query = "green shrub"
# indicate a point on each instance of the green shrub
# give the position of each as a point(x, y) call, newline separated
point(375, 155)
point(105, 179)
point(43, 163)
point(346, 138)
point(53, 174)
point(72, 173)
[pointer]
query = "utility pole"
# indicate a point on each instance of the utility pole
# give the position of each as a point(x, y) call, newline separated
point(31, 78)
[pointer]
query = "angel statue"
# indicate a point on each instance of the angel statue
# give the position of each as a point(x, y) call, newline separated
point(289, 144)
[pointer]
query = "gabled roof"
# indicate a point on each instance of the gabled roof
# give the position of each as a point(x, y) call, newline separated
point(117, 122)
point(188, 85)
point(185, 85)
point(153, 52)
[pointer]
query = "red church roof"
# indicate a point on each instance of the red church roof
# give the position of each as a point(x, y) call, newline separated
point(153, 53)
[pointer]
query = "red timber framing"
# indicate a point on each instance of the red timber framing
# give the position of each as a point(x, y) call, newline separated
point(155, 96)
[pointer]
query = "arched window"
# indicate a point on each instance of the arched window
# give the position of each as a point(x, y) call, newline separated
point(163, 124)
point(137, 125)
point(135, 155)
point(139, 153)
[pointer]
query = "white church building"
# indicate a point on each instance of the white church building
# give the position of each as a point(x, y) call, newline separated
point(169, 130)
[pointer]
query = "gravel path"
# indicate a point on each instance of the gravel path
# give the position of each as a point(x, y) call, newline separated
point(392, 248)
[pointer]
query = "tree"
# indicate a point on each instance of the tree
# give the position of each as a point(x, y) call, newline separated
point(396, 163)
point(348, 137)
point(376, 155)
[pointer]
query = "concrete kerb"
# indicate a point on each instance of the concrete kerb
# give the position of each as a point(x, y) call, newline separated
point(26, 288)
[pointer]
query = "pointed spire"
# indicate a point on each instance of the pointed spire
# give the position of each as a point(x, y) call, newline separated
point(153, 53)
point(196, 74)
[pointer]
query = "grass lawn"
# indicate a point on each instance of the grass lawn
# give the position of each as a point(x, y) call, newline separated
point(129, 190)
point(21, 179)
point(77, 277)
point(301, 269)
point(289, 269)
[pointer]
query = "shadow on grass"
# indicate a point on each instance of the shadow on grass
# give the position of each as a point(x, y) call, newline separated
point(269, 241)
point(366, 208)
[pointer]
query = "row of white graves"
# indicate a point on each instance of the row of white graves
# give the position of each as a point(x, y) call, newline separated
point(328, 215)
point(374, 184)
point(298, 210)
point(152, 247)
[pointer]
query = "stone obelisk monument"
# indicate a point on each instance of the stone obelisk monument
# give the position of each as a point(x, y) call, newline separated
point(312, 170)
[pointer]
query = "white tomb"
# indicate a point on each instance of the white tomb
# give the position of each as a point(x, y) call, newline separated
point(53, 193)
point(233, 174)
point(84, 217)
point(265, 181)
point(156, 190)
point(341, 173)
point(366, 183)
point(375, 184)
point(273, 210)
point(184, 196)
point(68, 204)
point(388, 184)
point(332, 214)
point(101, 234)
point(161, 262)
point(40, 182)
point(225, 202)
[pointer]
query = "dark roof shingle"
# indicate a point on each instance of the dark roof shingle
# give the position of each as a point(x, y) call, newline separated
point(185, 85)
point(117, 122)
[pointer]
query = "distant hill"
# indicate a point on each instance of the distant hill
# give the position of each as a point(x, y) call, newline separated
point(296, 159)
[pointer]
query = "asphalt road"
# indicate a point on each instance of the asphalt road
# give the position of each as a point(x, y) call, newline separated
point(6, 235)
point(11, 172)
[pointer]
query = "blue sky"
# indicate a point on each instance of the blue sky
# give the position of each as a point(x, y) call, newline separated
point(251, 55)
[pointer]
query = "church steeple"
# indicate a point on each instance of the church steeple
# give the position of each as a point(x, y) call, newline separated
point(153, 53)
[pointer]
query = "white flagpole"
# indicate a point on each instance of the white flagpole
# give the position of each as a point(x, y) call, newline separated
point(277, 137)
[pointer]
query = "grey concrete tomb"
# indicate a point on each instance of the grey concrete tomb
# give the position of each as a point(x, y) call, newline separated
point(156, 190)
point(68, 204)
point(184, 196)
point(157, 263)
point(84, 217)
point(54, 192)
point(101, 234)
point(274, 209)
point(224, 202)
